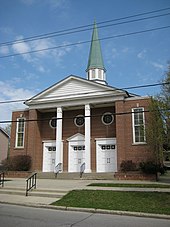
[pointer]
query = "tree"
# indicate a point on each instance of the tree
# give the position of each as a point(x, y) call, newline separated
point(158, 126)
point(164, 99)
point(155, 132)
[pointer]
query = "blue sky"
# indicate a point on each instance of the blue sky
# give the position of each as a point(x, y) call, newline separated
point(130, 60)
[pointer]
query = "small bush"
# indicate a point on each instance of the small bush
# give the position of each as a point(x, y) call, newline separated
point(128, 165)
point(17, 163)
point(151, 168)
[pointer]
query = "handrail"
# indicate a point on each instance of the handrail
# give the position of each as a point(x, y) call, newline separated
point(2, 178)
point(82, 168)
point(31, 182)
point(58, 168)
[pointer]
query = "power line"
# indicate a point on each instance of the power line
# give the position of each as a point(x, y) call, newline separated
point(125, 88)
point(73, 30)
point(88, 41)
point(72, 118)
point(54, 34)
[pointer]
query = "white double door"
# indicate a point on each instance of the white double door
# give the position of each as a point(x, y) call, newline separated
point(49, 155)
point(76, 154)
point(106, 155)
point(76, 158)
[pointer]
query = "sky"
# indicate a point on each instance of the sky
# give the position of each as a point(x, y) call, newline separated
point(130, 60)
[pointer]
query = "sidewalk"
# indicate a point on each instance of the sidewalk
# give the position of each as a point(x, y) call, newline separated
point(53, 185)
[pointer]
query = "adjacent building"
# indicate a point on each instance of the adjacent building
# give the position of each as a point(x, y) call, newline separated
point(4, 144)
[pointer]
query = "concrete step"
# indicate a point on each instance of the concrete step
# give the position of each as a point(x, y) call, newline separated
point(35, 192)
point(76, 176)
point(98, 176)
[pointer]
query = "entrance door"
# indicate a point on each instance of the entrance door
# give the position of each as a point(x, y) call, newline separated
point(76, 155)
point(106, 158)
point(49, 153)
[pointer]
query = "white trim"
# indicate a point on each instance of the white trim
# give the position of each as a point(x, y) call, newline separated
point(137, 98)
point(107, 113)
point(79, 126)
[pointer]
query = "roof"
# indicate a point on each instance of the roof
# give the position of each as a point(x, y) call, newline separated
point(4, 132)
point(75, 90)
point(95, 56)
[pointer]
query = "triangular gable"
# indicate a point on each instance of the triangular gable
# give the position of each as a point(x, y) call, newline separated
point(73, 87)
point(76, 137)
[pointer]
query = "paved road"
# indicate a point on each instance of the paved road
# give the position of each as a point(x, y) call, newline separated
point(19, 216)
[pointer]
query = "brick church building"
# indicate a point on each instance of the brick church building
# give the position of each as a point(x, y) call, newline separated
point(80, 122)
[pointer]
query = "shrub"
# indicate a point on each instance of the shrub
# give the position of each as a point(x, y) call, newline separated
point(128, 165)
point(17, 163)
point(151, 168)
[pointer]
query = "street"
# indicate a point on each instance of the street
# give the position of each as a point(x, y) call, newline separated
point(20, 216)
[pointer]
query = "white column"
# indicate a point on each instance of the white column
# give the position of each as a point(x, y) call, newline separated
point(87, 140)
point(59, 147)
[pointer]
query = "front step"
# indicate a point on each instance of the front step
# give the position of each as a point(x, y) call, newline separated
point(35, 192)
point(76, 176)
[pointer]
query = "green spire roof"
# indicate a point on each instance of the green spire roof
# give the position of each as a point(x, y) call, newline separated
point(95, 56)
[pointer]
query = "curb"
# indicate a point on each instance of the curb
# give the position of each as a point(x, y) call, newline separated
point(92, 210)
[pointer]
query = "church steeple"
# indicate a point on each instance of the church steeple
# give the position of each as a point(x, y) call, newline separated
point(95, 68)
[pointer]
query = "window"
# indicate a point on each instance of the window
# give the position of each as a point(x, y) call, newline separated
point(108, 147)
point(100, 74)
point(138, 125)
point(79, 120)
point(53, 122)
point(107, 118)
point(93, 73)
point(20, 133)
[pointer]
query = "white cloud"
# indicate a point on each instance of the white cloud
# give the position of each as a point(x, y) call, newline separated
point(157, 65)
point(114, 52)
point(10, 92)
point(52, 3)
point(4, 50)
point(57, 3)
point(125, 50)
point(22, 47)
point(37, 59)
point(142, 54)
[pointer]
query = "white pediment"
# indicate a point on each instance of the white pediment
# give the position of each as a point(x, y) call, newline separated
point(74, 88)
point(76, 137)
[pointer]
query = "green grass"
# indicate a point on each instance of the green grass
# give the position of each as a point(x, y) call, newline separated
point(130, 185)
point(147, 202)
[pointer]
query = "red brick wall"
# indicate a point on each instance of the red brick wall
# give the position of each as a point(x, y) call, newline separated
point(121, 128)
point(124, 134)
point(18, 151)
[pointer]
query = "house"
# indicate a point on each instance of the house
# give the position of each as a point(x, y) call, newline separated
point(4, 144)
point(80, 122)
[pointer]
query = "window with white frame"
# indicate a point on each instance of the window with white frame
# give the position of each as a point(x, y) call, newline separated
point(138, 125)
point(20, 133)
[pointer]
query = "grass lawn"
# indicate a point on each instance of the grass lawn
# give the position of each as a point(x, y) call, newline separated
point(130, 185)
point(147, 202)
